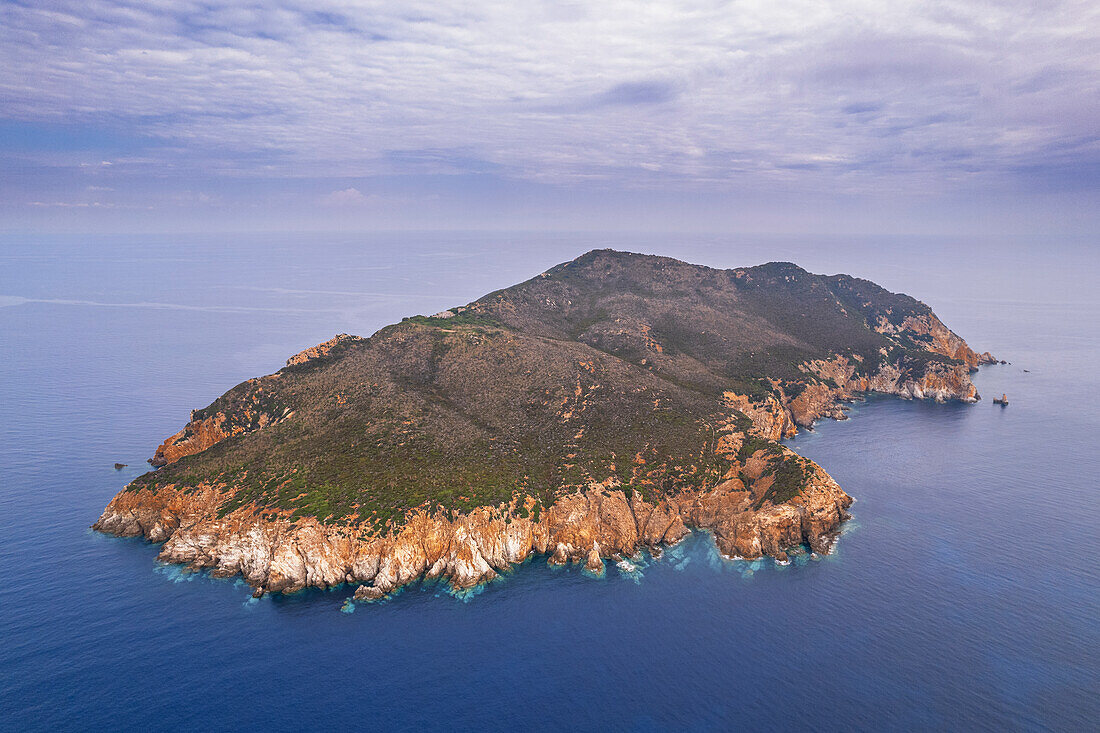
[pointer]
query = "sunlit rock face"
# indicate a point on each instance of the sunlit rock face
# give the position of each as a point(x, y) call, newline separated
point(283, 556)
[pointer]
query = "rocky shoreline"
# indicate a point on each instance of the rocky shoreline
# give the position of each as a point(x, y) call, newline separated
point(280, 554)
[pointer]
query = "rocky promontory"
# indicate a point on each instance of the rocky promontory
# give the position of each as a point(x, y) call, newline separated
point(607, 406)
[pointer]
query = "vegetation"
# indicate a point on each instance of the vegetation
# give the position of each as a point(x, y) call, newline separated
point(607, 367)
point(789, 477)
point(473, 318)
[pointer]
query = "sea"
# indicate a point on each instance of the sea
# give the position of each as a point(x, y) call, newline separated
point(964, 593)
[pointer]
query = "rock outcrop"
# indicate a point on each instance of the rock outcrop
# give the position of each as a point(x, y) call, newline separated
point(196, 436)
point(838, 381)
point(249, 408)
point(940, 339)
point(770, 417)
point(276, 553)
point(323, 349)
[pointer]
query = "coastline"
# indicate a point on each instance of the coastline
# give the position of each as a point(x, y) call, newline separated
point(386, 460)
point(468, 550)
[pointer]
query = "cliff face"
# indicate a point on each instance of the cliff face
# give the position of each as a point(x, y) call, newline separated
point(770, 417)
point(196, 436)
point(277, 554)
point(322, 350)
point(938, 337)
point(610, 404)
point(245, 409)
point(939, 382)
point(778, 415)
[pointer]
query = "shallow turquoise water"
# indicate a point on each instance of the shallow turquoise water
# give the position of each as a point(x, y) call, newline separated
point(963, 595)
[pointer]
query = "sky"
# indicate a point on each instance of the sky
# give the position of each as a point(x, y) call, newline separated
point(844, 116)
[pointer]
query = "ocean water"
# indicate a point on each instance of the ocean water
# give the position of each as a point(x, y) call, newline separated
point(964, 594)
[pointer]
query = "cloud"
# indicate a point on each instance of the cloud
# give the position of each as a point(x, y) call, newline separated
point(73, 204)
point(632, 94)
point(345, 197)
point(860, 108)
point(353, 198)
point(190, 198)
point(844, 95)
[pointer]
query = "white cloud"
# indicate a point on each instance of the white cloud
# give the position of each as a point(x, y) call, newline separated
point(345, 197)
point(72, 204)
point(849, 94)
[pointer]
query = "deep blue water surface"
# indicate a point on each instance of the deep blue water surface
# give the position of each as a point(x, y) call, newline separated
point(964, 595)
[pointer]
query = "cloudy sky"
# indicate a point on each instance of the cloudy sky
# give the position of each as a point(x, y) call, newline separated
point(759, 115)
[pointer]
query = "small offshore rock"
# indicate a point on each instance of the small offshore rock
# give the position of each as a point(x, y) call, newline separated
point(594, 563)
point(258, 593)
point(120, 466)
point(367, 593)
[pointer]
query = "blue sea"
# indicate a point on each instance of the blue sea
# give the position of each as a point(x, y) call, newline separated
point(963, 595)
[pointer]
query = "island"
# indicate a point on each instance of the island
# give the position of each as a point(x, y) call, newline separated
point(605, 407)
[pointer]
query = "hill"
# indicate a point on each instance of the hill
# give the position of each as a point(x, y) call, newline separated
point(602, 406)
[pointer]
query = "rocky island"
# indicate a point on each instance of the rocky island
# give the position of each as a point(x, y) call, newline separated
point(608, 405)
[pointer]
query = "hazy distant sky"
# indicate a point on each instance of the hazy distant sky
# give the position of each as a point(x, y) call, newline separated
point(767, 115)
